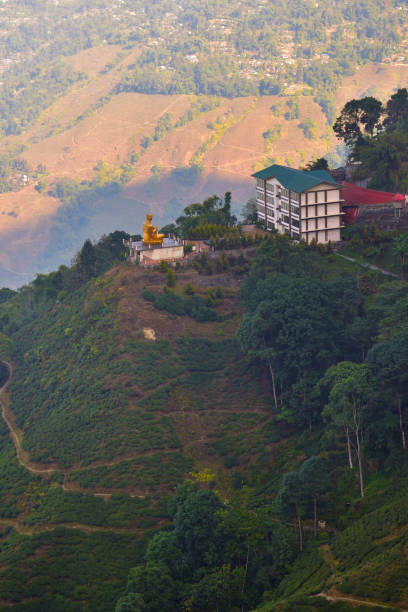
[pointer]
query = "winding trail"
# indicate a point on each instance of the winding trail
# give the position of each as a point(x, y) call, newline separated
point(369, 266)
point(14, 433)
point(331, 594)
point(364, 602)
point(16, 436)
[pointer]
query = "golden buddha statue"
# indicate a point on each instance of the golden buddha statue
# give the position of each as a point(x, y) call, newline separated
point(150, 235)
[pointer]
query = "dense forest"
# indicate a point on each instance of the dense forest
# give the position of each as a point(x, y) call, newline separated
point(377, 138)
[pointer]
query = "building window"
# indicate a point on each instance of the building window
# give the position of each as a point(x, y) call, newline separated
point(270, 225)
point(285, 218)
point(270, 187)
point(295, 235)
point(285, 192)
point(260, 183)
point(295, 222)
point(294, 210)
point(270, 200)
point(295, 196)
point(270, 212)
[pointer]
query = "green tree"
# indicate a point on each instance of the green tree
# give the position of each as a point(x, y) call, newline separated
point(289, 326)
point(400, 247)
point(319, 163)
point(308, 126)
point(86, 261)
point(350, 392)
point(396, 109)
point(220, 590)
point(357, 119)
point(164, 548)
point(243, 524)
point(7, 346)
point(389, 362)
point(132, 602)
point(291, 501)
point(383, 159)
point(170, 278)
point(313, 475)
point(155, 587)
point(195, 523)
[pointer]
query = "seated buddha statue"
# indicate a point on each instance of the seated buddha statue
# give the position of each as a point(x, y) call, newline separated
point(150, 235)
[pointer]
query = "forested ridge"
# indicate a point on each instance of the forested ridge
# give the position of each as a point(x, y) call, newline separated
point(273, 398)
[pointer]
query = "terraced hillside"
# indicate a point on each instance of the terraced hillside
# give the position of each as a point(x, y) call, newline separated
point(126, 385)
point(135, 398)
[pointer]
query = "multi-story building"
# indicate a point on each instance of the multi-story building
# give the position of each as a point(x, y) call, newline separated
point(305, 205)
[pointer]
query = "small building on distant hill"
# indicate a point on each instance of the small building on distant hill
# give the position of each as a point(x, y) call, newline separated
point(154, 247)
point(304, 205)
point(170, 251)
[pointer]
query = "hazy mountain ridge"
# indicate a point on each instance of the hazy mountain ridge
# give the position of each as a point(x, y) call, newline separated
point(65, 66)
point(232, 148)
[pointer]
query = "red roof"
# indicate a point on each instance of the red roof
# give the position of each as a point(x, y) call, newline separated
point(352, 195)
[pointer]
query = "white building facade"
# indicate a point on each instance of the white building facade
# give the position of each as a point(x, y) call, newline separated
point(304, 205)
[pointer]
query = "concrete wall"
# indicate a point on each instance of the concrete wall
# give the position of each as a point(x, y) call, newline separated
point(156, 255)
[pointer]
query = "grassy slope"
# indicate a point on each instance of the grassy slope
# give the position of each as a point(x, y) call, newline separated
point(113, 413)
point(72, 136)
point(116, 414)
point(105, 379)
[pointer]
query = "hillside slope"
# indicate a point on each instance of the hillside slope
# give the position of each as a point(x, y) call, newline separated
point(117, 399)
point(111, 421)
point(226, 139)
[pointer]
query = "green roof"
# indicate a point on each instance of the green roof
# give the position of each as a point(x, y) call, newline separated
point(295, 180)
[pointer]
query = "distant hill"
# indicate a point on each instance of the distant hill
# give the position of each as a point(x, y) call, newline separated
point(195, 146)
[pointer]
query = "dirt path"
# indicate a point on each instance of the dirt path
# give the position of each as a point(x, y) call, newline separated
point(30, 531)
point(14, 432)
point(368, 266)
point(16, 436)
point(359, 602)
point(331, 593)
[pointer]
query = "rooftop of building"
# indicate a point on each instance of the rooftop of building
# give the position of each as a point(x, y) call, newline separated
point(167, 242)
point(296, 180)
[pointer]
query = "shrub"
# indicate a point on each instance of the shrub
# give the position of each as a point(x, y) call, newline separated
point(171, 302)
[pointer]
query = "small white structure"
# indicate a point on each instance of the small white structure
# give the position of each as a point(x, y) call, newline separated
point(150, 254)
